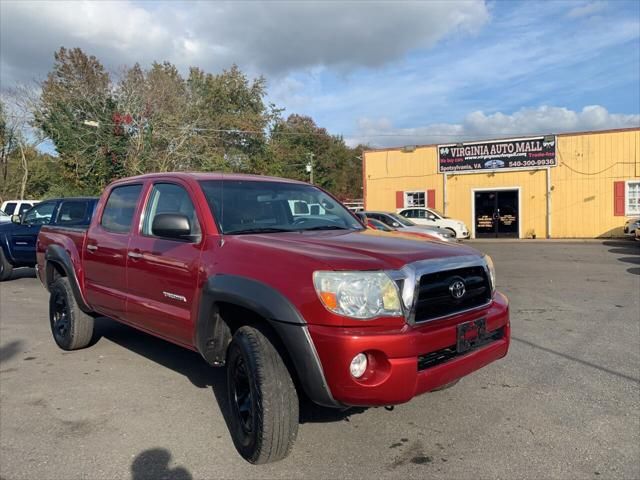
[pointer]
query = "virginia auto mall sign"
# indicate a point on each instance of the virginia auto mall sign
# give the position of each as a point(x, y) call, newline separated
point(518, 153)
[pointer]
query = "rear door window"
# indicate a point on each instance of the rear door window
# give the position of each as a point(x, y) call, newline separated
point(72, 213)
point(24, 207)
point(10, 208)
point(117, 216)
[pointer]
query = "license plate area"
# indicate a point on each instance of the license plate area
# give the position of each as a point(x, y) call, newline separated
point(471, 334)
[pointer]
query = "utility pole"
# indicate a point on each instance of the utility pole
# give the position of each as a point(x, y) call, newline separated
point(310, 167)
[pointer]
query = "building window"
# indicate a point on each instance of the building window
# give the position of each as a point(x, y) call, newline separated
point(414, 199)
point(632, 198)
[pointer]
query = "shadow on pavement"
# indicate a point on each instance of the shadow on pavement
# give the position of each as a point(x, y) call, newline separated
point(628, 251)
point(178, 359)
point(635, 260)
point(200, 374)
point(154, 464)
point(10, 350)
point(577, 360)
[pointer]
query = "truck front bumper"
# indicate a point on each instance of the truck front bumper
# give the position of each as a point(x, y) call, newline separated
point(407, 362)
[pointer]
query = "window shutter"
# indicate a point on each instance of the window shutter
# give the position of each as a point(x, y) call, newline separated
point(618, 199)
point(399, 199)
point(431, 199)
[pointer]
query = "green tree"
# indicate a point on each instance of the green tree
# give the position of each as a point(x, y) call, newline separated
point(76, 112)
point(7, 141)
point(157, 120)
point(298, 140)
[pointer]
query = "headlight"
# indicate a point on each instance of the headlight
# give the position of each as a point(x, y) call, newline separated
point(445, 237)
point(492, 272)
point(361, 295)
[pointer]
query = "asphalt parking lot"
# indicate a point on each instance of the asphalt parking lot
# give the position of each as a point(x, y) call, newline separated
point(565, 402)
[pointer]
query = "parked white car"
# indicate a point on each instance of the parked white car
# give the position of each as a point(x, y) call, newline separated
point(432, 218)
point(631, 226)
point(17, 207)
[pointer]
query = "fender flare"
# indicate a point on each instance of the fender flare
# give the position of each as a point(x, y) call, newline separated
point(212, 335)
point(55, 254)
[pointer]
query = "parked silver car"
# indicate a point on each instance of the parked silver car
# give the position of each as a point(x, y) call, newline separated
point(401, 223)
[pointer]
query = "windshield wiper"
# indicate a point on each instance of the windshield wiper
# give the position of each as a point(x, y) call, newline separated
point(325, 227)
point(258, 230)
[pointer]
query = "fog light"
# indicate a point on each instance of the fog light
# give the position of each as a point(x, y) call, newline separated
point(358, 365)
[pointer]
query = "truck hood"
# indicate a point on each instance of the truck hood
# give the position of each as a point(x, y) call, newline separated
point(352, 250)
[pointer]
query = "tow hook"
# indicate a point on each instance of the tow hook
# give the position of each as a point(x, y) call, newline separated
point(389, 408)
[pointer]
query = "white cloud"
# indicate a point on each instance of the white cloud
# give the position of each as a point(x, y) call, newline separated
point(478, 125)
point(269, 37)
point(586, 9)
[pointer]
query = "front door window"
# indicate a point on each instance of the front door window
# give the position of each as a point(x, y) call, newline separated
point(39, 215)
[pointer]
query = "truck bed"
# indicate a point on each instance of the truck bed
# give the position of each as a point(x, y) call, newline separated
point(71, 239)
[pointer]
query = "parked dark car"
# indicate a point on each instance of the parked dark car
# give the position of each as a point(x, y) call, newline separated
point(18, 237)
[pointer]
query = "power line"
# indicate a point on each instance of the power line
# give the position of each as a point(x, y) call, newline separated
point(187, 128)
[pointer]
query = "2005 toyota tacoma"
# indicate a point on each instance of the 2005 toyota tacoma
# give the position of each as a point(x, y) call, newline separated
point(291, 300)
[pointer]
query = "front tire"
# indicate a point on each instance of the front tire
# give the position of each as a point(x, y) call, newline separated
point(71, 327)
point(452, 232)
point(262, 398)
point(5, 267)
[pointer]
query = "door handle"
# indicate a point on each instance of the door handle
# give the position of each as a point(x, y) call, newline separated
point(92, 248)
point(134, 255)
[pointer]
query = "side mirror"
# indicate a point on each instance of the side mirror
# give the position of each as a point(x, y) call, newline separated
point(395, 224)
point(16, 219)
point(171, 225)
point(432, 217)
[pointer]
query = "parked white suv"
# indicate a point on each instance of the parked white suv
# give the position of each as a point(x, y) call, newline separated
point(432, 218)
point(17, 207)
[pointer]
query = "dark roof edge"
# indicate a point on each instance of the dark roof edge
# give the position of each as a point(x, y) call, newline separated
point(566, 134)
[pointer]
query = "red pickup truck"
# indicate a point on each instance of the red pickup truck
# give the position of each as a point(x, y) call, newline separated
point(289, 302)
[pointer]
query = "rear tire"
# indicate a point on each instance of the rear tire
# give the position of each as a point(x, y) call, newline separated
point(5, 267)
point(71, 327)
point(262, 398)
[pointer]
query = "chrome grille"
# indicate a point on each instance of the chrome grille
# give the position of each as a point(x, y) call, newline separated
point(434, 298)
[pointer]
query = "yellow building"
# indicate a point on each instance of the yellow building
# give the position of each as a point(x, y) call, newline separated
point(575, 185)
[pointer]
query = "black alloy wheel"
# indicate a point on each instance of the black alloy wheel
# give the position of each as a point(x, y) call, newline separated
point(70, 326)
point(241, 394)
point(60, 322)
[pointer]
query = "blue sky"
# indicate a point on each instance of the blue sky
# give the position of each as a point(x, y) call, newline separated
point(526, 56)
point(383, 73)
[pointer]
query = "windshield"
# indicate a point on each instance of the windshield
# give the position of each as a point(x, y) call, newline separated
point(241, 206)
point(401, 220)
point(437, 213)
point(378, 225)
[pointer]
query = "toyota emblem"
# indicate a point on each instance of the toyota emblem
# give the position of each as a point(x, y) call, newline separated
point(457, 289)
